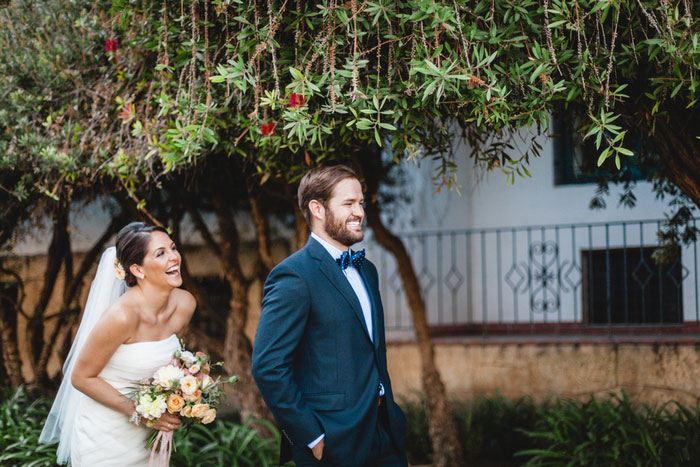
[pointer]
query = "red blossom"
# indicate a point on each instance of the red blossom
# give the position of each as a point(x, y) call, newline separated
point(267, 129)
point(111, 45)
point(296, 100)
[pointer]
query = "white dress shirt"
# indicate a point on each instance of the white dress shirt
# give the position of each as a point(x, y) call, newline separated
point(356, 282)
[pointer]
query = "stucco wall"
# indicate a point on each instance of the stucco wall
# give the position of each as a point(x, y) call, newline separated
point(652, 372)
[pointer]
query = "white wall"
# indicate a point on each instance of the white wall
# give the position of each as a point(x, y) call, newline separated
point(477, 267)
point(487, 200)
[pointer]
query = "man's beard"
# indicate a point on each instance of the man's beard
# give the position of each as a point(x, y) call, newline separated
point(338, 231)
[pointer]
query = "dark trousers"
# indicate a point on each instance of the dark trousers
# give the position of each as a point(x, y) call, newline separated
point(383, 453)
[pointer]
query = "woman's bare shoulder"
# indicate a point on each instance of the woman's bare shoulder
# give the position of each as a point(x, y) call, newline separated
point(184, 300)
point(185, 305)
point(122, 313)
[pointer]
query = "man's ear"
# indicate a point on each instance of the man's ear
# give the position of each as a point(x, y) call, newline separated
point(317, 210)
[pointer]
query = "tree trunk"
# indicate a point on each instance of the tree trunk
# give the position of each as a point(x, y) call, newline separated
point(238, 350)
point(60, 243)
point(302, 228)
point(72, 288)
point(301, 234)
point(8, 338)
point(441, 424)
point(200, 294)
point(262, 230)
point(10, 350)
point(679, 151)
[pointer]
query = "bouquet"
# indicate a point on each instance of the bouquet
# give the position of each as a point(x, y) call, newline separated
point(183, 386)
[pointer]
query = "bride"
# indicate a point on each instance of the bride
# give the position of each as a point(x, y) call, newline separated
point(124, 336)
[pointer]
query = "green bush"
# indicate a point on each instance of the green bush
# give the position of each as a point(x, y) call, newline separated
point(21, 421)
point(223, 442)
point(226, 443)
point(490, 430)
point(615, 432)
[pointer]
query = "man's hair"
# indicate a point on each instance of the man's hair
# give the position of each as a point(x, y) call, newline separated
point(319, 183)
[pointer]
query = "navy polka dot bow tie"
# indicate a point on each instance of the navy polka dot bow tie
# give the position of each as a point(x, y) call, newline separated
point(356, 258)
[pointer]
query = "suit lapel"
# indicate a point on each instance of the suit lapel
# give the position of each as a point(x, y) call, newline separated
point(374, 301)
point(335, 276)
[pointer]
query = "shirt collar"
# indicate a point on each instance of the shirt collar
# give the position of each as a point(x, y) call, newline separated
point(332, 250)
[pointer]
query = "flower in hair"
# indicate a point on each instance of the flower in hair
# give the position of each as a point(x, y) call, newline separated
point(119, 270)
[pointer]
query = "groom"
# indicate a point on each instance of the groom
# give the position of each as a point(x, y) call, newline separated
point(319, 356)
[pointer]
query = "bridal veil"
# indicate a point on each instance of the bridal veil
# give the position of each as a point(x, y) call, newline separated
point(105, 289)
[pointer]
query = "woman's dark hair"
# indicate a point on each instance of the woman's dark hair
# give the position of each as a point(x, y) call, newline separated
point(132, 243)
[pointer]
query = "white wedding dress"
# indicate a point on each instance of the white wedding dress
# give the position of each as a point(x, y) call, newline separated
point(103, 437)
point(87, 432)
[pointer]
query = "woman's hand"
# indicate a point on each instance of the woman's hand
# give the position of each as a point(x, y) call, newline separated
point(168, 422)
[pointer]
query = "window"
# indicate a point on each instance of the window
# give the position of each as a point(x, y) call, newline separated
point(575, 160)
point(640, 292)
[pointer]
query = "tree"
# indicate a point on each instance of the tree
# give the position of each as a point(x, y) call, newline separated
point(288, 85)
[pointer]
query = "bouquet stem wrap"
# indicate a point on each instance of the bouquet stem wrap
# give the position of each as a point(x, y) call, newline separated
point(163, 444)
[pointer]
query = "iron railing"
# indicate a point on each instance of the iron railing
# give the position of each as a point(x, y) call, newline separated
point(548, 278)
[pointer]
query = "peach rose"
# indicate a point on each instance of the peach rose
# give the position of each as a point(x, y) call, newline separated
point(186, 411)
point(199, 410)
point(175, 403)
point(209, 416)
point(194, 397)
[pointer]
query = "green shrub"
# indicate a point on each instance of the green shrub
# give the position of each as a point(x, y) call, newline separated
point(21, 421)
point(490, 430)
point(615, 432)
point(226, 443)
point(223, 442)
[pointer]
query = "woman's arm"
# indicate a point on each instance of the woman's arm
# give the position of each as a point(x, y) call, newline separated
point(113, 329)
point(108, 334)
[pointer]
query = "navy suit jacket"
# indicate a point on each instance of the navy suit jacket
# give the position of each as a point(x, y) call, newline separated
point(314, 362)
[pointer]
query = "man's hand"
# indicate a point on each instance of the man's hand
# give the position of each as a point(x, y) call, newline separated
point(318, 450)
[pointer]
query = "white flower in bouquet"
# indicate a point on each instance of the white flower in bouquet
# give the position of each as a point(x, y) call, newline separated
point(206, 381)
point(167, 376)
point(151, 407)
point(188, 385)
point(187, 357)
